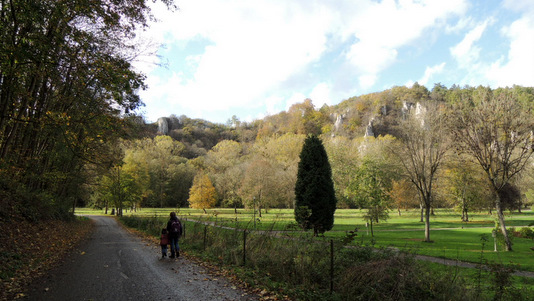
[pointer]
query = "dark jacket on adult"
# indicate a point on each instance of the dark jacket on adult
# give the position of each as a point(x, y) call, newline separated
point(169, 228)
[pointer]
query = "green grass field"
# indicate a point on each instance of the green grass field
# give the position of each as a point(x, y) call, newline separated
point(452, 238)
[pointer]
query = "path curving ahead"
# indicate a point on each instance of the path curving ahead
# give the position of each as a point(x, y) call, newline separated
point(117, 265)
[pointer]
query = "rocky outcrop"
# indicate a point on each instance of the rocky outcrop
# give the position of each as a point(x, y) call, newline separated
point(406, 108)
point(369, 130)
point(338, 124)
point(163, 126)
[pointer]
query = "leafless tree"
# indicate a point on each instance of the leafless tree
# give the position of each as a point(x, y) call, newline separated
point(497, 132)
point(423, 145)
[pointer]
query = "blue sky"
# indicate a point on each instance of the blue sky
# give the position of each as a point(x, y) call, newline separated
point(252, 58)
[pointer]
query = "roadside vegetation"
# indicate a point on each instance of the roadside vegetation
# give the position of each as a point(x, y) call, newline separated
point(290, 262)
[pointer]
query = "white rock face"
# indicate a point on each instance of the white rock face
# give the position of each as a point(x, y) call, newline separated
point(163, 126)
point(406, 107)
point(419, 109)
point(339, 122)
point(369, 130)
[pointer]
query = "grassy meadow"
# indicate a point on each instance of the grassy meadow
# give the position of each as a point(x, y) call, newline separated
point(452, 238)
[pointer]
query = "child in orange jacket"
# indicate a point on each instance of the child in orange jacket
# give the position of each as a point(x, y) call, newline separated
point(164, 241)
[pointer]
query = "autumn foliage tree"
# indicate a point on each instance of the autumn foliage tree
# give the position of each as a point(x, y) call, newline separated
point(223, 163)
point(403, 194)
point(465, 187)
point(372, 189)
point(315, 203)
point(202, 194)
point(65, 80)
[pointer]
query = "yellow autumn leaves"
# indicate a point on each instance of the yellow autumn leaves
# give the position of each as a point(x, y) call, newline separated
point(202, 194)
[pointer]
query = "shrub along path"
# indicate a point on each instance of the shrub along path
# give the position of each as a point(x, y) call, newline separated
point(443, 261)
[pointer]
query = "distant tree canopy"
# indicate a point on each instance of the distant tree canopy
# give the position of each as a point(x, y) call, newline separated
point(315, 199)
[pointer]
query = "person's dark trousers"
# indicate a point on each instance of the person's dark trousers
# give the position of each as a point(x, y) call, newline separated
point(175, 248)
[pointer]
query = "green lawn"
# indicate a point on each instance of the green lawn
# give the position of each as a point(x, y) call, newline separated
point(451, 237)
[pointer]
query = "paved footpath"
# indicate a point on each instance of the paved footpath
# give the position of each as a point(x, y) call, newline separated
point(117, 265)
point(464, 264)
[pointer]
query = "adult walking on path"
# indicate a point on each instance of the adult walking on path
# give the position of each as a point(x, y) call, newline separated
point(174, 228)
point(117, 265)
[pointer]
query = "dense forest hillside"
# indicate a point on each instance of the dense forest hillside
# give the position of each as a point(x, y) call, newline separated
point(374, 114)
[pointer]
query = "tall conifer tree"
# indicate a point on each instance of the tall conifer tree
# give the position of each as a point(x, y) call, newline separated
point(314, 191)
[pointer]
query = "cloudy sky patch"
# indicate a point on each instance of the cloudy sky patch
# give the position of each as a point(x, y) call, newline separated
point(251, 58)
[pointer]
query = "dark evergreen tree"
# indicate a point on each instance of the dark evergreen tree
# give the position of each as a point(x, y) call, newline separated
point(314, 191)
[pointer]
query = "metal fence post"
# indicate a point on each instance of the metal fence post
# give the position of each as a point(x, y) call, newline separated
point(244, 247)
point(205, 235)
point(331, 266)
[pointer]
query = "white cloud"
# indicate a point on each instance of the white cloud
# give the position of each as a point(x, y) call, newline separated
point(253, 47)
point(466, 52)
point(429, 72)
point(321, 95)
point(526, 6)
point(518, 67)
point(383, 27)
point(367, 81)
point(273, 104)
point(460, 25)
point(371, 58)
point(295, 98)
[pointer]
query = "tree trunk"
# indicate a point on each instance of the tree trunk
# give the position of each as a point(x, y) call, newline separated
point(465, 218)
point(422, 212)
point(74, 206)
point(500, 215)
point(371, 224)
point(399, 211)
point(427, 223)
